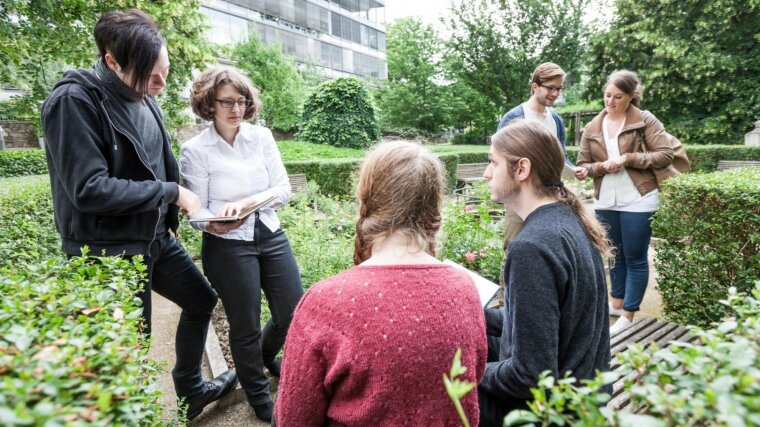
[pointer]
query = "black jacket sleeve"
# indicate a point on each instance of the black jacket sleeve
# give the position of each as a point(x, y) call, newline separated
point(76, 148)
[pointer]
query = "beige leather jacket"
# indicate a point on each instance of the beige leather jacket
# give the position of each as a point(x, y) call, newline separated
point(638, 162)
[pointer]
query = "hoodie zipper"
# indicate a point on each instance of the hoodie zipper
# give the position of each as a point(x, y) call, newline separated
point(134, 145)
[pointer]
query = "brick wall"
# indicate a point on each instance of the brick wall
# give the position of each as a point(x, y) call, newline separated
point(19, 134)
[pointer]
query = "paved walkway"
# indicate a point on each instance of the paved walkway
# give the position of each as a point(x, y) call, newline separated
point(165, 318)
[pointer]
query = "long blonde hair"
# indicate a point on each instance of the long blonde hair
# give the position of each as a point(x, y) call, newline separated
point(529, 139)
point(400, 189)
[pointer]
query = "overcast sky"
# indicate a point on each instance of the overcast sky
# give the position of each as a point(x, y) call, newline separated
point(428, 10)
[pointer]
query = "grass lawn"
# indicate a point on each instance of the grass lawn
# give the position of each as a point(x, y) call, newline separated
point(296, 150)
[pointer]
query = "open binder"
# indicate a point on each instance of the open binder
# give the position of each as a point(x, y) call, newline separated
point(240, 215)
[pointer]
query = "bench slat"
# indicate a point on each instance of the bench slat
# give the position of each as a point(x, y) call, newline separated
point(297, 182)
point(729, 164)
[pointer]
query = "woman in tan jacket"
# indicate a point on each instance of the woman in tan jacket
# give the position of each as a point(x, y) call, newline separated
point(619, 148)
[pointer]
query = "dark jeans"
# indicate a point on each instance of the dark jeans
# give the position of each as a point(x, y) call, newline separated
point(630, 233)
point(239, 270)
point(172, 274)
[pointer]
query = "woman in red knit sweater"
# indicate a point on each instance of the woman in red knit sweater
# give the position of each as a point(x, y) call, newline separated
point(369, 346)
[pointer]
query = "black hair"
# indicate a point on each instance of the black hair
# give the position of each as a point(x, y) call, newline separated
point(132, 37)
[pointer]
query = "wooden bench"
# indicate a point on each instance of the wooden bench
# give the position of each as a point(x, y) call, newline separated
point(297, 182)
point(644, 331)
point(468, 173)
point(730, 164)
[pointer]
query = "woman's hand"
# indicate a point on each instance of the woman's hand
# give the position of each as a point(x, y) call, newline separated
point(230, 209)
point(613, 165)
point(581, 173)
point(218, 227)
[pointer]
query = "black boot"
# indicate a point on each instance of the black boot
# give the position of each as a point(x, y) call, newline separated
point(211, 391)
point(273, 367)
point(263, 411)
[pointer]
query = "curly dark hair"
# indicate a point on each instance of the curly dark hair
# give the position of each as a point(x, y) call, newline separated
point(205, 87)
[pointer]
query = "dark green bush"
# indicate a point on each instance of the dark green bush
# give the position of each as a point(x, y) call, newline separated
point(340, 113)
point(471, 138)
point(334, 177)
point(22, 162)
point(26, 223)
point(70, 350)
point(450, 162)
point(704, 158)
point(710, 226)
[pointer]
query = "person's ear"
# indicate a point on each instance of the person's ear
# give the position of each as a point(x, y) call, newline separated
point(523, 169)
point(112, 63)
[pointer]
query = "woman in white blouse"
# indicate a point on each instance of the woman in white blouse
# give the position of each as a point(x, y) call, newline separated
point(620, 148)
point(230, 165)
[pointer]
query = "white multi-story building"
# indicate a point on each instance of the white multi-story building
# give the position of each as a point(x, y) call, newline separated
point(340, 37)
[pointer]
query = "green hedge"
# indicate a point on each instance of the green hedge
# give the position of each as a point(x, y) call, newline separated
point(710, 224)
point(450, 162)
point(704, 158)
point(335, 177)
point(26, 223)
point(70, 350)
point(22, 162)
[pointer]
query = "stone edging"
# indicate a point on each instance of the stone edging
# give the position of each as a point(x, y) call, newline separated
point(215, 360)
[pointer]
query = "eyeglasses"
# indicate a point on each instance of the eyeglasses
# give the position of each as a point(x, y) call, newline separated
point(228, 103)
point(553, 89)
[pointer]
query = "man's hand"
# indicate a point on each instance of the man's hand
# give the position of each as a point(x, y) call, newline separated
point(581, 173)
point(188, 201)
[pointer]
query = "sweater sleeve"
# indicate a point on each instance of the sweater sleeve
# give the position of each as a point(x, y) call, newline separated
point(302, 398)
point(76, 156)
point(533, 303)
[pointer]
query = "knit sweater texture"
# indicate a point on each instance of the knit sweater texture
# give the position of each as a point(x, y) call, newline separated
point(555, 314)
point(369, 347)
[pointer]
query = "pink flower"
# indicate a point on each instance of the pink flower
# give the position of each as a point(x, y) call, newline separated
point(469, 208)
point(470, 256)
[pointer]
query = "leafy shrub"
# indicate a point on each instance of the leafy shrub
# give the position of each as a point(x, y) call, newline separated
point(704, 158)
point(471, 237)
point(340, 113)
point(334, 177)
point(26, 222)
point(714, 381)
point(450, 162)
point(321, 232)
point(22, 162)
point(301, 150)
point(710, 224)
point(70, 350)
point(471, 138)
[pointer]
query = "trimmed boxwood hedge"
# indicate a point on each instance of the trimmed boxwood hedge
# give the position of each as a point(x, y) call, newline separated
point(22, 162)
point(70, 350)
point(710, 226)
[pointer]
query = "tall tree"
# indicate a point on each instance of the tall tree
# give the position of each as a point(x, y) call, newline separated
point(699, 62)
point(41, 38)
point(413, 97)
point(496, 44)
point(282, 86)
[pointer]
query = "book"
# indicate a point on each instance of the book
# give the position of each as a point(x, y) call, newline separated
point(240, 215)
point(486, 288)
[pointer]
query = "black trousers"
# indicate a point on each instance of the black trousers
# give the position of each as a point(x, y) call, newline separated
point(173, 275)
point(239, 270)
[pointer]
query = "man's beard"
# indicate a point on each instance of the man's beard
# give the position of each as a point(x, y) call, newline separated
point(508, 191)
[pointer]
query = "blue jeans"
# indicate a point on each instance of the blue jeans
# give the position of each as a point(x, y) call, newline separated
point(239, 270)
point(630, 233)
point(173, 275)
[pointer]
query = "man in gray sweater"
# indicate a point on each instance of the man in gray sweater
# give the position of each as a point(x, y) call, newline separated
point(555, 316)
